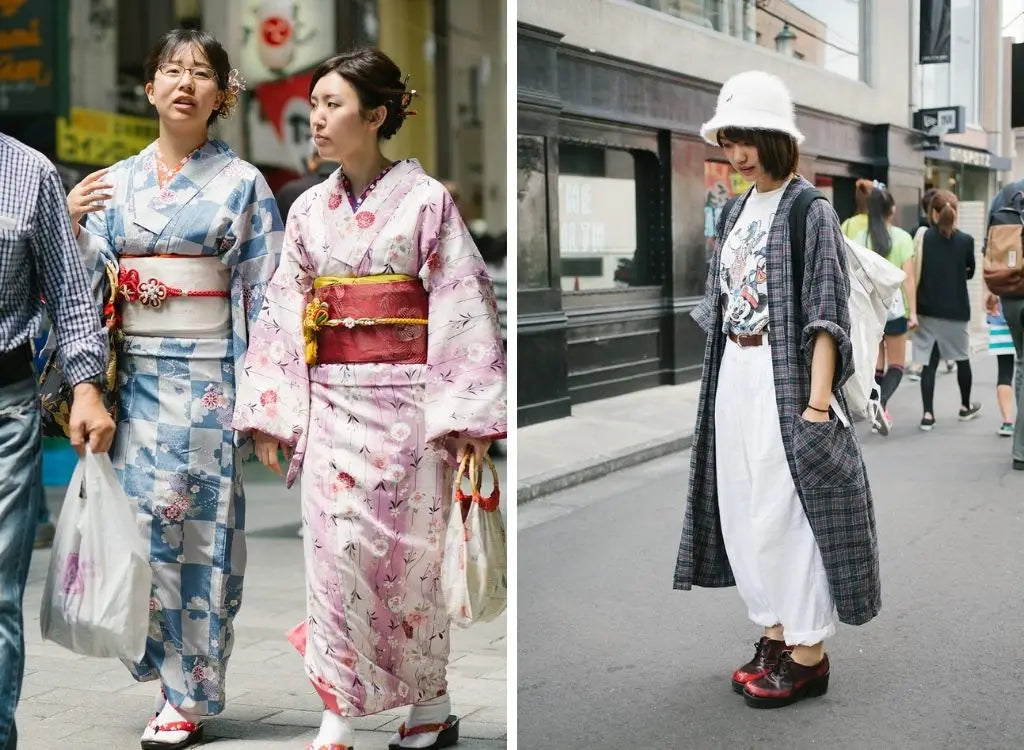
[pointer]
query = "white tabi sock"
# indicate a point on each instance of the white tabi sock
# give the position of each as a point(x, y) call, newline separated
point(335, 729)
point(433, 711)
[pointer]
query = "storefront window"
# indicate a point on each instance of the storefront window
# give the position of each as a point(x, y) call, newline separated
point(597, 219)
point(956, 83)
point(826, 33)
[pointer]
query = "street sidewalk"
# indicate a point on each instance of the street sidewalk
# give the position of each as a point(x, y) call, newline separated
point(604, 436)
point(80, 702)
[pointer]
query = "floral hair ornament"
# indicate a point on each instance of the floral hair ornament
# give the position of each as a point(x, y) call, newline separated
point(235, 84)
point(406, 99)
point(878, 185)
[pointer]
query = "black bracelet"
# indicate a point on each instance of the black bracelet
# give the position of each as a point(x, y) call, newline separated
point(815, 408)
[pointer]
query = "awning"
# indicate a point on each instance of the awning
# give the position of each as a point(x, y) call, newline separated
point(972, 157)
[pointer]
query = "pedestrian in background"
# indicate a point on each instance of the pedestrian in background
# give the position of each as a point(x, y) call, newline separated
point(194, 234)
point(778, 502)
point(923, 223)
point(943, 306)
point(1000, 345)
point(317, 170)
point(374, 412)
point(896, 246)
point(38, 258)
point(857, 225)
point(1011, 310)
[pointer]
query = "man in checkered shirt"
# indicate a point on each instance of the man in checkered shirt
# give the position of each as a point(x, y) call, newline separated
point(38, 258)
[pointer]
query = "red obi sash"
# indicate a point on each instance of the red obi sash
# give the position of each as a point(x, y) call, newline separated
point(369, 319)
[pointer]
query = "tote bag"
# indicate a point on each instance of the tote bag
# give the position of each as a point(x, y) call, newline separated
point(474, 572)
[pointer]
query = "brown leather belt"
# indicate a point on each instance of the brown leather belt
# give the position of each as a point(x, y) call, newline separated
point(747, 339)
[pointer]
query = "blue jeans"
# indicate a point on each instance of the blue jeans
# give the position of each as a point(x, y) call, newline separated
point(21, 475)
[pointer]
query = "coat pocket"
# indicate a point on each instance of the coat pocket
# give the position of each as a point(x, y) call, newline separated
point(826, 455)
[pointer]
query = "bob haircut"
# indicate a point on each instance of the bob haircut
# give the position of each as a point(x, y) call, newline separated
point(777, 151)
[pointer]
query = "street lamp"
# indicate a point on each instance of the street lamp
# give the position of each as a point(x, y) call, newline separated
point(784, 40)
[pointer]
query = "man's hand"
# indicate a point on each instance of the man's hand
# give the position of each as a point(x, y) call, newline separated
point(90, 421)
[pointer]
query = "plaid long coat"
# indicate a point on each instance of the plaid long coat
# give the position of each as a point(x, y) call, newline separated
point(824, 458)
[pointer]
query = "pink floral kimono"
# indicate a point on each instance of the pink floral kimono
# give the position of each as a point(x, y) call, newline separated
point(372, 438)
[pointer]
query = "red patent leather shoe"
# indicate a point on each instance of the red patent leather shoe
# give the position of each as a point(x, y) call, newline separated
point(788, 683)
point(766, 654)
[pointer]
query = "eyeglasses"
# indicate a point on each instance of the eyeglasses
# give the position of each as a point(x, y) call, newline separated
point(175, 71)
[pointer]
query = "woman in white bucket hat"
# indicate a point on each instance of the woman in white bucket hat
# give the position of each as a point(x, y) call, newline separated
point(778, 503)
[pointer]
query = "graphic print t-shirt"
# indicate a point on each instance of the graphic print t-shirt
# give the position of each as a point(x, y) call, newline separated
point(743, 271)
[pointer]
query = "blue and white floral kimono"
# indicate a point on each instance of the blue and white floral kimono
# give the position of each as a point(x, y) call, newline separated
point(175, 451)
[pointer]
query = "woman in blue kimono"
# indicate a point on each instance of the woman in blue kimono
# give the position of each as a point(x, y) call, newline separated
point(189, 236)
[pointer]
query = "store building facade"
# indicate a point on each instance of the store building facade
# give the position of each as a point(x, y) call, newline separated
point(618, 195)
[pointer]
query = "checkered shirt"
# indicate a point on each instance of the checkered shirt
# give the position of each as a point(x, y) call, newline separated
point(38, 253)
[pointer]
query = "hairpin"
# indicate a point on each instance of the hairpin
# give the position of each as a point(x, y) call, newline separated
point(235, 83)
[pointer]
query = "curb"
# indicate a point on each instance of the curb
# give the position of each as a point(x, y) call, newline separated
point(532, 488)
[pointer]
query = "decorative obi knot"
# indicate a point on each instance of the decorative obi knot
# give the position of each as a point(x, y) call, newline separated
point(153, 292)
point(366, 319)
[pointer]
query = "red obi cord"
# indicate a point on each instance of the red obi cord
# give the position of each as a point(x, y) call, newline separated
point(153, 292)
point(378, 343)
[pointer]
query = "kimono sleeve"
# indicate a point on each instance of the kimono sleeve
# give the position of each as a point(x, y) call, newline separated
point(465, 392)
point(826, 288)
point(272, 387)
point(258, 233)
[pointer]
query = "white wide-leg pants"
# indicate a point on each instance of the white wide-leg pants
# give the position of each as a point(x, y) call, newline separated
point(774, 556)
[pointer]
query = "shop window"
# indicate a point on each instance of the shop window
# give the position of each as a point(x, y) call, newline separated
point(958, 82)
point(826, 33)
point(533, 255)
point(599, 243)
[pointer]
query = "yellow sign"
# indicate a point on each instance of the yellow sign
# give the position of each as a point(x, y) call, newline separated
point(91, 136)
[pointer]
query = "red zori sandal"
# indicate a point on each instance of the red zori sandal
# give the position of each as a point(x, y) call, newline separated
point(193, 734)
point(332, 746)
point(448, 734)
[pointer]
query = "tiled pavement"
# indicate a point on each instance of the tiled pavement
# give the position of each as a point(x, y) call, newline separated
point(70, 701)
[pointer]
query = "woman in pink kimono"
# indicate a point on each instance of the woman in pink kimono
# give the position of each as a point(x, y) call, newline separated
point(376, 360)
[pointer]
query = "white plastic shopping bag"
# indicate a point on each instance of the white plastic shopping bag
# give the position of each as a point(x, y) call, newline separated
point(96, 596)
point(474, 573)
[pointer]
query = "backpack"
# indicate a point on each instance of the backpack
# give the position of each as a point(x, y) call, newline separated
point(1003, 264)
point(874, 281)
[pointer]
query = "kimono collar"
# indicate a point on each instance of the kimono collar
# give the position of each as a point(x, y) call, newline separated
point(151, 206)
point(356, 231)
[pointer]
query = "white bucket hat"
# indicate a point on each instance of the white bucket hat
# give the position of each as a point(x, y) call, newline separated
point(753, 100)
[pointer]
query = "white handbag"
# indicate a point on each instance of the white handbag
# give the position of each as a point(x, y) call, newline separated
point(96, 595)
point(474, 573)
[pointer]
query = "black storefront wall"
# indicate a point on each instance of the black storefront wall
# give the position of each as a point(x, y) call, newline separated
point(577, 347)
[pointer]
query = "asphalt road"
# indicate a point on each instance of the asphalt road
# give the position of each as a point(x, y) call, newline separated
point(611, 657)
